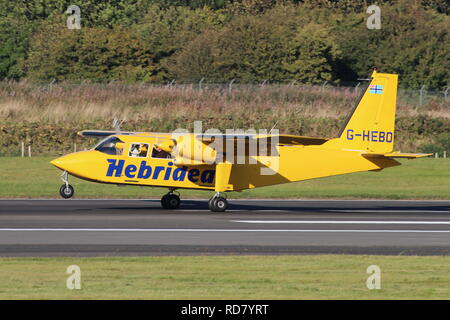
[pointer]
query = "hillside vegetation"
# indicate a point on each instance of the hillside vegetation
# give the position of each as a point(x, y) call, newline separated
point(253, 63)
point(309, 41)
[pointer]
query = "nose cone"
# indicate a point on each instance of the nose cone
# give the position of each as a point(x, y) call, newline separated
point(68, 162)
point(57, 162)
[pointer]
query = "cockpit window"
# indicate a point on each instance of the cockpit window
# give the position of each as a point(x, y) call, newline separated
point(112, 145)
point(139, 150)
point(157, 152)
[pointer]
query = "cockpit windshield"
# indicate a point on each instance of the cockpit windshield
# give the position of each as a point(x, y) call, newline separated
point(111, 145)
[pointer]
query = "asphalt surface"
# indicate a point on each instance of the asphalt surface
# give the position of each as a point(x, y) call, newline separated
point(141, 227)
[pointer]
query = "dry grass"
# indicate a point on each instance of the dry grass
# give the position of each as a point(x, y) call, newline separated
point(64, 102)
point(48, 116)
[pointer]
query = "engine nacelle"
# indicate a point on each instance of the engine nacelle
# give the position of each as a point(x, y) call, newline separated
point(189, 148)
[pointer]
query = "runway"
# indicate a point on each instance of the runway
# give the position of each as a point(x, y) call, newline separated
point(141, 227)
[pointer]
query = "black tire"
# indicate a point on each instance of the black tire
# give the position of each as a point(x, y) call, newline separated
point(218, 204)
point(170, 201)
point(66, 191)
point(210, 203)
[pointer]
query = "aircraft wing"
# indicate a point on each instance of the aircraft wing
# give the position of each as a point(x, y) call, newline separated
point(296, 140)
point(283, 139)
point(101, 133)
point(241, 143)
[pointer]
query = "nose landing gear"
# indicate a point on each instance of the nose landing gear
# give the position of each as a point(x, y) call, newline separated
point(66, 191)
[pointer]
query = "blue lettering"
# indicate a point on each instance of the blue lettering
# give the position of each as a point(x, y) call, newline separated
point(158, 169)
point(389, 137)
point(168, 171)
point(179, 174)
point(130, 171)
point(144, 171)
point(366, 135)
point(207, 176)
point(375, 136)
point(114, 166)
point(381, 136)
point(193, 175)
point(349, 134)
point(167, 174)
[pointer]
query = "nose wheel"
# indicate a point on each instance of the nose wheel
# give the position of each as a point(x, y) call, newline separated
point(170, 201)
point(66, 191)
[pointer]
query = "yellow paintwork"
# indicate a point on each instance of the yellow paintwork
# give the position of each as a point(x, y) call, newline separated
point(366, 143)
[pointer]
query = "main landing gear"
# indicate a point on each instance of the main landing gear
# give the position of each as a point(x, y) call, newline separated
point(170, 201)
point(217, 203)
point(66, 191)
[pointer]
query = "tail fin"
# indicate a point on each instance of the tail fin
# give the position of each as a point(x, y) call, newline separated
point(371, 125)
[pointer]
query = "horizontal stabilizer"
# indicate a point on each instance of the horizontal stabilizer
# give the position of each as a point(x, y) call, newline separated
point(407, 155)
point(397, 155)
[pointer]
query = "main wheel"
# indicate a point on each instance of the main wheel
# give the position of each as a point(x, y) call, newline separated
point(66, 191)
point(170, 201)
point(218, 204)
point(210, 203)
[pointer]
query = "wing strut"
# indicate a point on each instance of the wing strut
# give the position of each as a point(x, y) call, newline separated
point(223, 172)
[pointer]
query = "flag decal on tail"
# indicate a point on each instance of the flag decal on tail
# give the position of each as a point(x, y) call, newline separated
point(376, 89)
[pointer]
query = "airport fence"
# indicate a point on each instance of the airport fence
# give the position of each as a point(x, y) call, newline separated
point(415, 97)
point(18, 141)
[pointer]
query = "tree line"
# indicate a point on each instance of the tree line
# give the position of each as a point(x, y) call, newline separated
point(308, 41)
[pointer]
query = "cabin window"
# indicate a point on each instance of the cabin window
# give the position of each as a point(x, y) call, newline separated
point(157, 152)
point(111, 145)
point(138, 150)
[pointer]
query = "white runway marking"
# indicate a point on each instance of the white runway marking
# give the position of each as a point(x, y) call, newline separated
point(216, 230)
point(387, 211)
point(234, 210)
point(340, 222)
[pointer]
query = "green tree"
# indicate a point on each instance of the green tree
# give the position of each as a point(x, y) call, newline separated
point(412, 42)
point(312, 54)
point(166, 31)
point(93, 13)
point(197, 60)
point(14, 39)
point(251, 49)
point(99, 54)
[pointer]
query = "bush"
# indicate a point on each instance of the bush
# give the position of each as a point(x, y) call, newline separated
point(431, 148)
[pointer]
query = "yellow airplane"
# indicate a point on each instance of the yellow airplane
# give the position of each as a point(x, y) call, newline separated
point(234, 162)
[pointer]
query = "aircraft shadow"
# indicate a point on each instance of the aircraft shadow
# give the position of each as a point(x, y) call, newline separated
point(297, 206)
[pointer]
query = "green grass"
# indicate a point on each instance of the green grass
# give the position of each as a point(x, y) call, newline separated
point(227, 277)
point(415, 179)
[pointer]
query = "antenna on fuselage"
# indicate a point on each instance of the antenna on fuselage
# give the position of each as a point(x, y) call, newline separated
point(273, 127)
point(116, 124)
